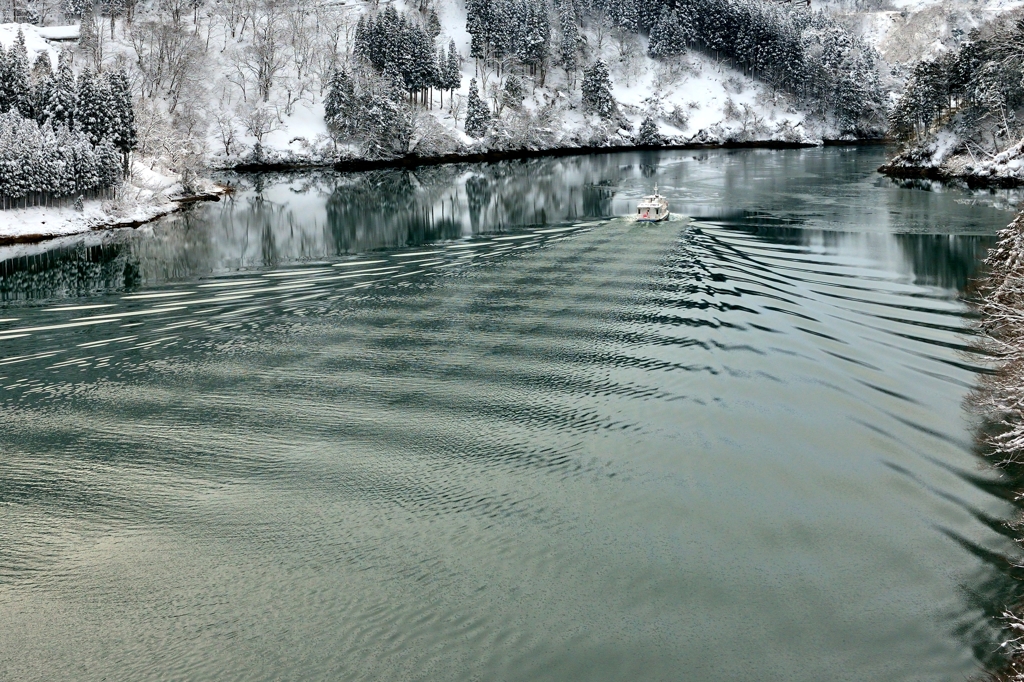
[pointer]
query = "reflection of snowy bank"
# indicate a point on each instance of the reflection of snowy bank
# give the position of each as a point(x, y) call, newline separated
point(148, 195)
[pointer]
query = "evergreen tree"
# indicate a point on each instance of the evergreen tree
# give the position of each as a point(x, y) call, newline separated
point(478, 24)
point(108, 164)
point(536, 34)
point(433, 25)
point(648, 135)
point(60, 108)
point(124, 134)
point(88, 38)
point(625, 15)
point(513, 93)
point(18, 74)
point(597, 90)
point(478, 116)
point(6, 81)
point(42, 86)
point(341, 108)
point(39, 159)
point(385, 120)
point(570, 37)
point(93, 107)
point(361, 47)
point(453, 72)
point(71, 9)
point(668, 37)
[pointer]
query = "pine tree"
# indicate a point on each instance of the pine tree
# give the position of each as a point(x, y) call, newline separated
point(18, 74)
point(93, 107)
point(648, 135)
point(124, 134)
point(385, 119)
point(6, 81)
point(597, 90)
point(536, 34)
point(433, 26)
point(108, 164)
point(42, 86)
point(60, 109)
point(341, 108)
point(453, 72)
point(668, 37)
point(625, 15)
point(570, 37)
point(361, 47)
point(478, 116)
point(513, 93)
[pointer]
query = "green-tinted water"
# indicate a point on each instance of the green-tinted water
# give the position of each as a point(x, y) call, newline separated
point(464, 424)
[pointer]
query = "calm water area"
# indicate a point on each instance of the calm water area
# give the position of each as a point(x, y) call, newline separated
point(475, 423)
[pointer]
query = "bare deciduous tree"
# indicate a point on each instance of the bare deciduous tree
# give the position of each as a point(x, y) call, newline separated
point(259, 122)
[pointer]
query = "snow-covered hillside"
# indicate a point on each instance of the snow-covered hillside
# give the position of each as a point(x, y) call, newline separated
point(906, 31)
point(693, 97)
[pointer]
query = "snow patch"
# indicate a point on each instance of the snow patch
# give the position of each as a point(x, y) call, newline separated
point(35, 41)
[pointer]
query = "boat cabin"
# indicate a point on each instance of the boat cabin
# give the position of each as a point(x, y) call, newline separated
point(652, 208)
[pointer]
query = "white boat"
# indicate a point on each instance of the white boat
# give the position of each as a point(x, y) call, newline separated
point(652, 208)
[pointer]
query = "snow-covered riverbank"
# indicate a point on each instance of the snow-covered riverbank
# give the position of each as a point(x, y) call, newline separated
point(148, 196)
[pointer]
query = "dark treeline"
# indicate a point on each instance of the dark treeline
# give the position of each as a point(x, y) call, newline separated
point(60, 135)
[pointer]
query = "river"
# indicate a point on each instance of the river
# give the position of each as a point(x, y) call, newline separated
point(471, 423)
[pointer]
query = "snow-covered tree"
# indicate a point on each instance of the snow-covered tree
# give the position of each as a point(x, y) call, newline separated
point(385, 120)
point(570, 44)
point(668, 36)
point(93, 107)
point(597, 90)
point(58, 162)
point(341, 107)
point(20, 92)
point(478, 116)
point(42, 84)
point(533, 48)
point(453, 69)
point(648, 135)
point(513, 93)
point(394, 42)
point(123, 133)
point(89, 41)
point(433, 25)
point(63, 95)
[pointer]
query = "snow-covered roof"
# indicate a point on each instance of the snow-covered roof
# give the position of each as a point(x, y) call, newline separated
point(59, 32)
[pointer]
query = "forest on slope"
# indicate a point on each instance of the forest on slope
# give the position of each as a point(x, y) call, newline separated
point(222, 82)
point(959, 116)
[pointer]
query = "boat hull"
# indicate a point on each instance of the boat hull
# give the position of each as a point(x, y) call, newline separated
point(653, 220)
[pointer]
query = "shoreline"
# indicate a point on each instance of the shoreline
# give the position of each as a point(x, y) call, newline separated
point(173, 206)
point(934, 173)
point(414, 161)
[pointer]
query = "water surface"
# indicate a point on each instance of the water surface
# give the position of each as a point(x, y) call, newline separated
point(465, 423)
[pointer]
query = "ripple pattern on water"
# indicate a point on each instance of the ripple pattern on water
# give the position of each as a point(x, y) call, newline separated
point(591, 451)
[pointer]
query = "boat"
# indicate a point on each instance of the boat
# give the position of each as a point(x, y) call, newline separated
point(652, 208)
